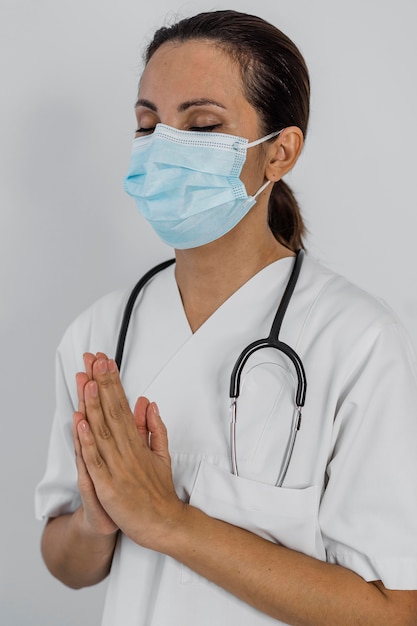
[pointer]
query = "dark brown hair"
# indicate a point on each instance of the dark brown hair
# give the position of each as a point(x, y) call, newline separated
point(275, 81)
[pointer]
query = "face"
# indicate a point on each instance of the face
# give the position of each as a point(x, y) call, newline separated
point(196, 86)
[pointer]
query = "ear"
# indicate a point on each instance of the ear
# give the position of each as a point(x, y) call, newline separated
point(284, 152)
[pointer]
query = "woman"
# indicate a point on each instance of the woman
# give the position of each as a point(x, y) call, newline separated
point(222, 113)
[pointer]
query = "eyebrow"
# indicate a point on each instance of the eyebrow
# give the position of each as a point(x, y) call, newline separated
point(142, 102)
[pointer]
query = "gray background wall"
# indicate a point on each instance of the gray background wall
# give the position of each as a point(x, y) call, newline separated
point(69, 70)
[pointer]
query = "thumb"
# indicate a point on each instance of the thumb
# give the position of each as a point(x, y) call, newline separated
point(139, 413)
point(158, 432)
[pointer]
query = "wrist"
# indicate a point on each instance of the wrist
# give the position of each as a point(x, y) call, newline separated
point(90, 529)
point(176, 534)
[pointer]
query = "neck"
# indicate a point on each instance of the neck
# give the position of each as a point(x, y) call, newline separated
point(207, 276)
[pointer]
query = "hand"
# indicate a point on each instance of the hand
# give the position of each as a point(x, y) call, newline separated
point(95, 517)
point(126, 456)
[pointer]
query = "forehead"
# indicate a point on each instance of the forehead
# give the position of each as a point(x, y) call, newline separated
point(181, 69)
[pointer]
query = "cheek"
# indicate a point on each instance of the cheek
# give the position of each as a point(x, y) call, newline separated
point(253, 170)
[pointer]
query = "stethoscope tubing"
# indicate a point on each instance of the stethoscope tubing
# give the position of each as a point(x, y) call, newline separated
point(127, 313)
point(272, 341)
point(281, 347)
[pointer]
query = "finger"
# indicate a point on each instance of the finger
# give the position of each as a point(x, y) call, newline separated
point(115, 407)
point(158, 432)
point(95, 417)
point(81, 380)
point(93, 510)
point(83, 377)
point(78, 416)
point(94, 461)
point(89, 359)
point(84, 480)
point(139, 413)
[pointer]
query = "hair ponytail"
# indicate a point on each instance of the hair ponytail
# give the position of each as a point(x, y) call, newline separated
point(284, 217)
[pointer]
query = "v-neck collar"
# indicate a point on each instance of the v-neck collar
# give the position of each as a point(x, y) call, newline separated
point(263, 282)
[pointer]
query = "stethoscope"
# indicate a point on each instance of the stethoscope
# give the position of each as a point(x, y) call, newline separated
point(272, 341)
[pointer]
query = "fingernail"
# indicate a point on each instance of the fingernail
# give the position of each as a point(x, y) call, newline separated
point(84, 426)
point(112, 366)
point(93, 389)
point(155, 409)
point(102, 366)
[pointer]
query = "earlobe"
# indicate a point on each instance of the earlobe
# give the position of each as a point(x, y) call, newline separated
point(284, 153)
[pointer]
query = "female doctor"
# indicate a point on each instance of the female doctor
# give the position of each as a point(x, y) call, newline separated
point(189, 532)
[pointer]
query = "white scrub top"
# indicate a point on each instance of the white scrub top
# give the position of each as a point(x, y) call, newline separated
point(350, 494)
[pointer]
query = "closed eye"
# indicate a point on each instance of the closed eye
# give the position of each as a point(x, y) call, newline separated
point(205, 129)
point(201, 129)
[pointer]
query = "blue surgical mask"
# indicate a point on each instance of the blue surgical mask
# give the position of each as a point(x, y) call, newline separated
point(187, 185)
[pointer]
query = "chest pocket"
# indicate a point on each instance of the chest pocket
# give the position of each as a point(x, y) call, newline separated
point(285, 516)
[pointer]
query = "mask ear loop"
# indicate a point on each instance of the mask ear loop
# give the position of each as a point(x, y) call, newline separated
point(256, 143)
point(260, 190)
point(262, 139)
point(239, 146)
